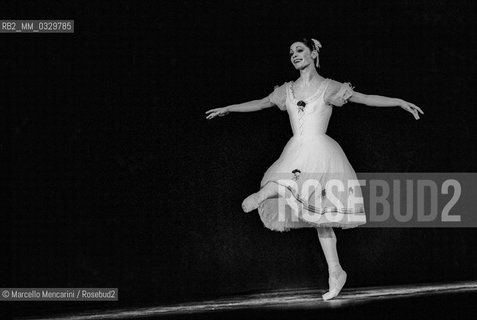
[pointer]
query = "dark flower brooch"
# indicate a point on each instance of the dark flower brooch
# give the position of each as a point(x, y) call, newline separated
point(296, 173)
point(301, 105)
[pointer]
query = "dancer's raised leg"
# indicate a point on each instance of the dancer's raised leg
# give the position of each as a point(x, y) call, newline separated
point(337, 276)
point(253, 201)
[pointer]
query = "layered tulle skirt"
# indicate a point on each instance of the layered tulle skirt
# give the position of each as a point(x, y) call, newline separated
point(317, 187)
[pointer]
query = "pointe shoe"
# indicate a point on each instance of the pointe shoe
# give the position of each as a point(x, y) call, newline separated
point(251, 202)
point(336, 284)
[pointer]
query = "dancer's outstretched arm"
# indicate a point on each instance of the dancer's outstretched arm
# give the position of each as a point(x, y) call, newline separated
point(380, 101)
point(250, 106)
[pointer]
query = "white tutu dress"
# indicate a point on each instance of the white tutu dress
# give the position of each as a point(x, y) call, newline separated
point(318, 187)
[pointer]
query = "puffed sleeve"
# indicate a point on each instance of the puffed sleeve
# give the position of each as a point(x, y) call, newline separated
point(338, 93)
point(279, 96)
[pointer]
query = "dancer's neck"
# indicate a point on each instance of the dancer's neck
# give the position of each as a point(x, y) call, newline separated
point(309, 75)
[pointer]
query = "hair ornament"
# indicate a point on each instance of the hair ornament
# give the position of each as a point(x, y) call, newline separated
point(317, 44)
point(317, 48)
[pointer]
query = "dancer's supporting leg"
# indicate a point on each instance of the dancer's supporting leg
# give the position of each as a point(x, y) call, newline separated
point(337, 276)
point(252, 202)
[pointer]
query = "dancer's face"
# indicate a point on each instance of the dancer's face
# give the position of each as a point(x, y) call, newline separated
point(301, 56)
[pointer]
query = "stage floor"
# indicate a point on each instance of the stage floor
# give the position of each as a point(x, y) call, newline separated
point(446, 300)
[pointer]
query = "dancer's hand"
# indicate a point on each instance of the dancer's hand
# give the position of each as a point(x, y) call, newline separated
point(217, 112)
point(412, 108)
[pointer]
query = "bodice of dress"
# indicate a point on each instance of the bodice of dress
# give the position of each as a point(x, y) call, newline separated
point(313, 118)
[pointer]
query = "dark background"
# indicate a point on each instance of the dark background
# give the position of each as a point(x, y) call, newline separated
point(116, 179)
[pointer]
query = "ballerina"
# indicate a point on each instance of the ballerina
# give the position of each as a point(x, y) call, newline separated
point(310, 152)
